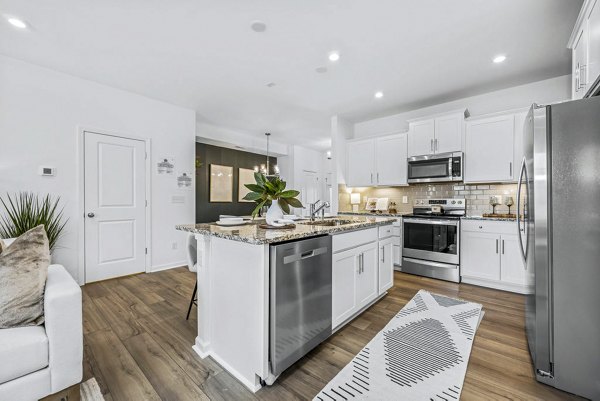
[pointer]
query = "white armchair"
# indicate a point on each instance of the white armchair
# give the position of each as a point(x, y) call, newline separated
point(37, 361)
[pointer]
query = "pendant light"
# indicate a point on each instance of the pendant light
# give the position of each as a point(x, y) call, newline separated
point(265, 169)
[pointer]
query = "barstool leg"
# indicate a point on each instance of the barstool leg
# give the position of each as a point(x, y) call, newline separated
point(192, 301)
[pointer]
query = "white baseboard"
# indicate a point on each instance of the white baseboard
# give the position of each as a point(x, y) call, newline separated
point(167, 266)
point(497, 285)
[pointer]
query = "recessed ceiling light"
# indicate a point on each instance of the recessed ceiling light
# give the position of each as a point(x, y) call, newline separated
point(17, 23)
point(258, 26)
point(321, 70)
point(500, 58)
point(334, 56)
point(378, 95)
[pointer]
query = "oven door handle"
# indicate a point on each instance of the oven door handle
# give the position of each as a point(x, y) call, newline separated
point(431, 221)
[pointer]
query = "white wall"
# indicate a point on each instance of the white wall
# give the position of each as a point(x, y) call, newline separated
point(341, 130)
point(237, 139)
point(542, 92)
point(40, 112)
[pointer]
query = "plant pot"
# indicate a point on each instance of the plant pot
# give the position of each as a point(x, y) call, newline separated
point(274, 213)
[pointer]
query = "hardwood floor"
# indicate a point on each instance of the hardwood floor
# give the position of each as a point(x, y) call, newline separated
point(138, 345)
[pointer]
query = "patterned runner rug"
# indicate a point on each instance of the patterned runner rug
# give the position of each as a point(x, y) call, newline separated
point(421, 354)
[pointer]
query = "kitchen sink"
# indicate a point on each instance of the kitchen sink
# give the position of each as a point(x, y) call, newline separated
point(328, 223)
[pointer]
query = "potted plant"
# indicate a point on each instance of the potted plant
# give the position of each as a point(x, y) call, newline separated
point(26, 210)
point(271, 191)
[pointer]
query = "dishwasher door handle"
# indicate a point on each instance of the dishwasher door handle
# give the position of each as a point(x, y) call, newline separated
point(304, 255)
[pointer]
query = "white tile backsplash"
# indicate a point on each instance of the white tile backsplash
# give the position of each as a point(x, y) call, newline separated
point(477, 196)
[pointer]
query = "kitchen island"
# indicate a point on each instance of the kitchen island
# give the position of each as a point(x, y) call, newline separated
point(234, 284)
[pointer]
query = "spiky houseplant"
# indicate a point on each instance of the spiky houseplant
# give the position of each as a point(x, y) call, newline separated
point(26, 210)
point(269, 189)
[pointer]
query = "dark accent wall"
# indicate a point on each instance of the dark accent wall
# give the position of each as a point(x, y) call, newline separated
point(209, 154)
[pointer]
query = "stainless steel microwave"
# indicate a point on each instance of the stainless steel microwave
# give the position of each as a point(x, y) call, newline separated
point(436, 168)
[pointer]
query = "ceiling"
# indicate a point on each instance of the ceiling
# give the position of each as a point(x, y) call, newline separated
point(203, 54)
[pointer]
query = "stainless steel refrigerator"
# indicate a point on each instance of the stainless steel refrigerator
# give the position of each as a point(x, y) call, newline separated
point(559, 196)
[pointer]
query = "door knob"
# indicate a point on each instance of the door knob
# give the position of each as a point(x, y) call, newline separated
point(90, 215)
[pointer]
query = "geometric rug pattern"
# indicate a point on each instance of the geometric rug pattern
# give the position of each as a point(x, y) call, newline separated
point(421, 354)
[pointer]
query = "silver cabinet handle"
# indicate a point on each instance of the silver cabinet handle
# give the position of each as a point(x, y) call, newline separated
point(371, 178)
point(91, 215)
point(582, 75)
point(436, 145)
point(383, 254)
point(431, 145)
point(577, 78)
point(502, 247)
point(496, 245)
point(378, 178)
point(510, 169)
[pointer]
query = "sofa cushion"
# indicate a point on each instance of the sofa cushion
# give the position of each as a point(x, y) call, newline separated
point(23, 272)
point(23, 350)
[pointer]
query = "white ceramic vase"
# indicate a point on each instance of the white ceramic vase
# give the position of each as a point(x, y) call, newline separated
point(274, 213)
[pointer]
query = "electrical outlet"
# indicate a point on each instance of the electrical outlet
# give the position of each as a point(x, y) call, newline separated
point(174, 245)
point(404, 199)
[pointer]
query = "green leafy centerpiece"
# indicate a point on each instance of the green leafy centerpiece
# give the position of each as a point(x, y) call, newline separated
point(270, 191)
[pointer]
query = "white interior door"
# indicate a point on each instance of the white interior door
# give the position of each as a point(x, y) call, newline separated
point(115, 202)
point(310, 192)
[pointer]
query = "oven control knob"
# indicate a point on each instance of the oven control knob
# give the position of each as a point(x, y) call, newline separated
point(453, 202)
point(459, 202)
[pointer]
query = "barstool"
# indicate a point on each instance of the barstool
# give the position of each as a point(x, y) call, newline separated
point(192, 259)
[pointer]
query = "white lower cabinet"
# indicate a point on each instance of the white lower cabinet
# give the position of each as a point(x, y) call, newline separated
point(386, 264)
point(490, 256)
point(362, 270)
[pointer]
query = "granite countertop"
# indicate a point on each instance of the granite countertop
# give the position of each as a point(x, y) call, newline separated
point(488, 218)
point(251, 233)
point(366, 213)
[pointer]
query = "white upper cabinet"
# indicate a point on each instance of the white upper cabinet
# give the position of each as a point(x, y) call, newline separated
point(585, 46)
point(439, 134)
point(448, 133)
point(593, 70)
point(377, 161)
point(493, 147)
point(360, 160)
point(421, 135)
point(390, 160)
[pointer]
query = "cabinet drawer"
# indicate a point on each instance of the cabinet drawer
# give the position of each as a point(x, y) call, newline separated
point(353, 239)
point(495, 227)
point(397, 231)
point(386, 231)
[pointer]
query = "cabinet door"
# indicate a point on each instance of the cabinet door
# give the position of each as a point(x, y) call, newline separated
point(520, 119)
point(593, 68)
point(489, 153)
point(367, 281)
point(390, 158)
point(580, 63)
point(420, 138)
point(360, 163)
point(448, 133)
point(386, 265)
point(513, 270)
point(344, 274)
point(480, 255)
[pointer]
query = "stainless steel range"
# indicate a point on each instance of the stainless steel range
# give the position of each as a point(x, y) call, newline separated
point(432, 238)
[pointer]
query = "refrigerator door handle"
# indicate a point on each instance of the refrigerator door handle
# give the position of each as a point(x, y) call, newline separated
point(518, 219)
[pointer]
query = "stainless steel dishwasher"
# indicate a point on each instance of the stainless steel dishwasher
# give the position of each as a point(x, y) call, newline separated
point(300, 299)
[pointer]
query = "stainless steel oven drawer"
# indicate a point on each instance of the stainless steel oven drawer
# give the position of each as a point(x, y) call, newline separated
point(442, 271)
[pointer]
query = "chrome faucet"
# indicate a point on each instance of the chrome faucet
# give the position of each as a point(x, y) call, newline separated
point(314, 210)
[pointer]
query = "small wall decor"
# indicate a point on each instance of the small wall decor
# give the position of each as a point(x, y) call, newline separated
point(221, 183)
point(184, 180)
point(165, 165)
point(245, 176)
